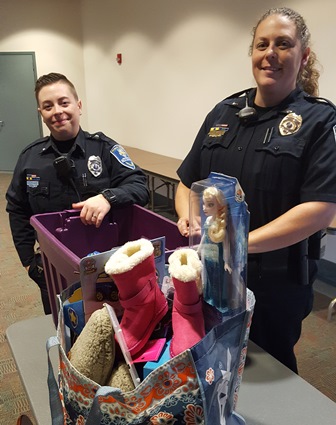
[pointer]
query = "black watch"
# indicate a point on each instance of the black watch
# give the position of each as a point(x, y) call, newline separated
point(109, 195)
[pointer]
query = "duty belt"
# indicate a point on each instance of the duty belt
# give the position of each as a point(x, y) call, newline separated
point(290, 264)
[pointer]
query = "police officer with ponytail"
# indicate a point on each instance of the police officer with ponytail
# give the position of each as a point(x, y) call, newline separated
point(278, 140)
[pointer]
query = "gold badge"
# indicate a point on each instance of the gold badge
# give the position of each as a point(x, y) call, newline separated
point(290, 124)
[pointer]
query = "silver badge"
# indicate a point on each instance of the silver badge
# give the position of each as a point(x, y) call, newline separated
point(290, 124)
point(95, 165)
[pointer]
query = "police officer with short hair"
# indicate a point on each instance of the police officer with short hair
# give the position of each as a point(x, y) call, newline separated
point(71, 168)
point(278, 140)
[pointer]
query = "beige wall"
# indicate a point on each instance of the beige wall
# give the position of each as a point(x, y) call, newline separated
point(51, 29)
point(180, 57)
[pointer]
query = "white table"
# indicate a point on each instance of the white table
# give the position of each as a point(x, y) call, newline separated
point(270, 393)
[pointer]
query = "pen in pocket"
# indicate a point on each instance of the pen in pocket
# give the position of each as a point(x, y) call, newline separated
point(268, 135)
point(84, 179)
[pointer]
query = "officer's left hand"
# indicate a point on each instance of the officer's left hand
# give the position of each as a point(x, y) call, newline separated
point(93, 210)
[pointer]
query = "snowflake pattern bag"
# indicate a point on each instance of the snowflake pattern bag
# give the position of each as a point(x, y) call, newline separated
point(198, 386)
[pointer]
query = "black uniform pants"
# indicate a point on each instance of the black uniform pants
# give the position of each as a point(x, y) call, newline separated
point(36, 273)
point(277, 320)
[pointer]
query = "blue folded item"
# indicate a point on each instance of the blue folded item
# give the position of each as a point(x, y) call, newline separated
point(164, 357)
point(74, 316)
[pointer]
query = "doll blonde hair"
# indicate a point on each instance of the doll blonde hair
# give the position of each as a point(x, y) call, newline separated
point(217, 228)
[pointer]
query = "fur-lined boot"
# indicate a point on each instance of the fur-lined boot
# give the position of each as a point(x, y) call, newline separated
point(187, 317)
point(132, 268)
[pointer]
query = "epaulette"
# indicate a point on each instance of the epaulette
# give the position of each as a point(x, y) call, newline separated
point(321, 100)
point(36, 142)
point(97, 136)
point(239, 94)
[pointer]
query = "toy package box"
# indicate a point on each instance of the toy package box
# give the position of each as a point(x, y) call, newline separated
point(219, 224)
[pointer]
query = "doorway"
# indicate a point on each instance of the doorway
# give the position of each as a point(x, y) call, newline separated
point(20, 123)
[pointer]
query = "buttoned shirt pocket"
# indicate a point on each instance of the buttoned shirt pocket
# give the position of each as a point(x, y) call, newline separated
point(214, 153)
point(90, 186)
point(223, 140)
point(284, 145)
point(280, 164)
point(39, 197)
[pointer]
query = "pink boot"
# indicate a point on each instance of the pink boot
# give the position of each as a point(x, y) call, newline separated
point(187, 317)
point(132, 268)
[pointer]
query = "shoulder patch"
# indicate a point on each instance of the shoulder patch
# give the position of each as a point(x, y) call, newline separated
point(121, 155)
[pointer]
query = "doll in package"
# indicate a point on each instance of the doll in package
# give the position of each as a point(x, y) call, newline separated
point(219, 222)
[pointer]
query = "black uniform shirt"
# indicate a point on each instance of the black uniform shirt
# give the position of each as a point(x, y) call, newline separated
point(97, 162)
point(275, 171)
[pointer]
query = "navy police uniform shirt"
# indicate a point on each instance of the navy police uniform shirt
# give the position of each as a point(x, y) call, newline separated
point(283, 158)
point(97, 163)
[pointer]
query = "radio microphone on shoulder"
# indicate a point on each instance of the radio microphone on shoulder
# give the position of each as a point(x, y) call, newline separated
point(247, 114)
point(65, 168)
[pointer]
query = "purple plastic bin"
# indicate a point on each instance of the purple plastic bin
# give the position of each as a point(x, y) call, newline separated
point(64, 240)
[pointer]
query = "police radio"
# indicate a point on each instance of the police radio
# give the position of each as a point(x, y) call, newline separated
point(247, 114)
point(64, 169)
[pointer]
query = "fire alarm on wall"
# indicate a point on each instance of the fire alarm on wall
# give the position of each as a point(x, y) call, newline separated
point(119, 58)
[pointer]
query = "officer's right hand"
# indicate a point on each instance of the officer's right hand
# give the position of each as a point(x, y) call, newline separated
point(93, 210)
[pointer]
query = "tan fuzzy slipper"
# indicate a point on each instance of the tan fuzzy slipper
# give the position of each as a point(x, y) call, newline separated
point(93, 352)
point(121, 377)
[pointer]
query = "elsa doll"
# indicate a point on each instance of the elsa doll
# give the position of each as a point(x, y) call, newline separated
point(214, 249)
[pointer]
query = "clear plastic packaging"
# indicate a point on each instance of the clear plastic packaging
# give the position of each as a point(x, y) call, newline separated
point(219, 224)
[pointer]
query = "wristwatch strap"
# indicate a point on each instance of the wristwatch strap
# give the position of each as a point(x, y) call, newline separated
point(109, 195)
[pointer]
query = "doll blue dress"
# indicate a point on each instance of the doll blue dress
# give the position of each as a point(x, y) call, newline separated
point(215, 278)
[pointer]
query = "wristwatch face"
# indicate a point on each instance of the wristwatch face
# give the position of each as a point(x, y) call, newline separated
point(109, 195)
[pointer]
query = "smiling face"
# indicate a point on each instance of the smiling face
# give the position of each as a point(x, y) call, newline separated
point(277, 58)
point(60, 110)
